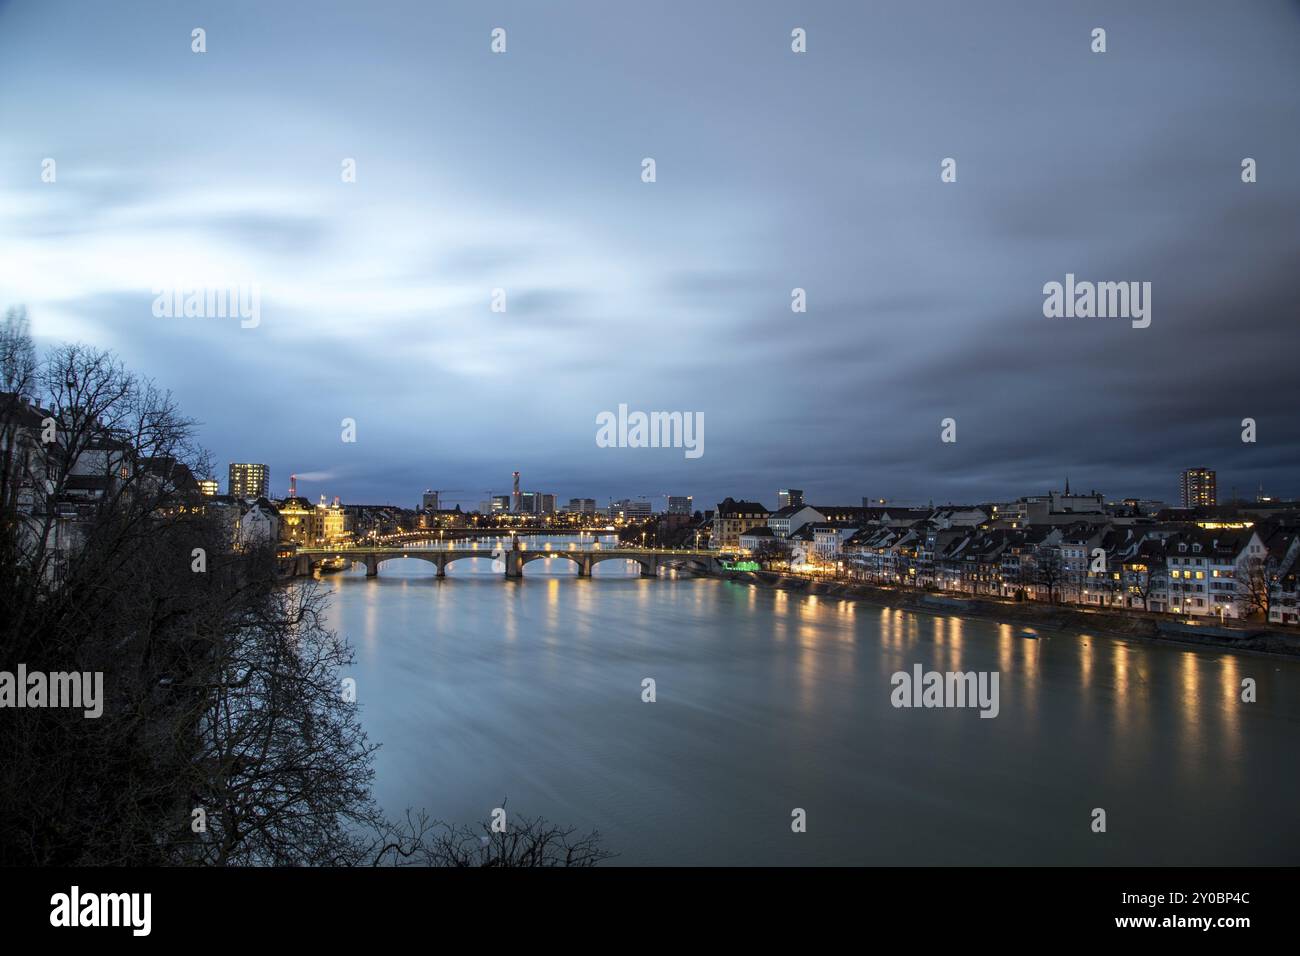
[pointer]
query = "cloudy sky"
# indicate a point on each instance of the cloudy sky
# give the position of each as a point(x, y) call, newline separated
point(775, 170)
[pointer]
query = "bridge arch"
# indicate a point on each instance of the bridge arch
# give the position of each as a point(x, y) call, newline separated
point(649, 566)
point(699, 565)
point(447, 559)
point(371, 562)
point(532, 556)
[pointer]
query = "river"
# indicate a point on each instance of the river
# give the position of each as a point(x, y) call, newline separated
point(481, 689)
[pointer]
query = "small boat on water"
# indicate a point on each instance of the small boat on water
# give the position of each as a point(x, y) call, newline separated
point(331, 565)
point(1029, 634)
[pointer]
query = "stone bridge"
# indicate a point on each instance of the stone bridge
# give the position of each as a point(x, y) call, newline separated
point(651, 560)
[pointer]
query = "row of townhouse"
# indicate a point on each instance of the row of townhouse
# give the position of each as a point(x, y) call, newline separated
point(1186, 570)
point(1224, 567)
point(916, 550)
point(1228, 573)
point(812, 537)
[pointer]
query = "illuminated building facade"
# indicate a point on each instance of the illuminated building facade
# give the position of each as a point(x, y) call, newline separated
point(1199, 488)
point(248, 480)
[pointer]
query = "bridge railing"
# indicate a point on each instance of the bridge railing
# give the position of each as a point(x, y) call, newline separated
point(631, 554)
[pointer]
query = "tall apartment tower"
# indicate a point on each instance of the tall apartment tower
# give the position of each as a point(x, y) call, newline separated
point(679, 504)
point(788, 497)
point(248, 480)
point(1198, 487)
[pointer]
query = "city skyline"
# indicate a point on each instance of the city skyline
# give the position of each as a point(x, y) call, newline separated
point(663, 502)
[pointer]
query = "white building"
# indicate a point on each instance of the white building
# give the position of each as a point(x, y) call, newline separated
point(828, 540)
point(1209, 571)
point(259, 524)
point(786, 521)
point(752, 538)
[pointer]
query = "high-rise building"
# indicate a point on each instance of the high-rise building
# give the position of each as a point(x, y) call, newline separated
point(545, 504)
point(429, 501)
point(582, 506)
point(628, 510)
point(679, 504)
point(249, 480)
point(500, 504)
point(208, 486)
point(787, 497)
point(1198, 488)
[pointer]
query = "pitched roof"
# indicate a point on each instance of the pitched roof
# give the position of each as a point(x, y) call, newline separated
point(21, 412)
point(789, 511)
point(1213, 542)
point(297, 502)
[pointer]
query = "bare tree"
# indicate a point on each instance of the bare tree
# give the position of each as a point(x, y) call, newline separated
point(1254, 587)
point(1048, 570)
point(1110, 583)
point(1147, 578)
point(522, 842)
point(770, 553)
point(226, 736)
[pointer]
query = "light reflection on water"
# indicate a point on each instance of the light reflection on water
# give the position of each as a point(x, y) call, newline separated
point(481, 689)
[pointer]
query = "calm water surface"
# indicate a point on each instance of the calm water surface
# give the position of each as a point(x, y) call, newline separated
point(481, 689)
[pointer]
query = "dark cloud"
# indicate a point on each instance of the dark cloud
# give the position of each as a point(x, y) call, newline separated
point(775, 171)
